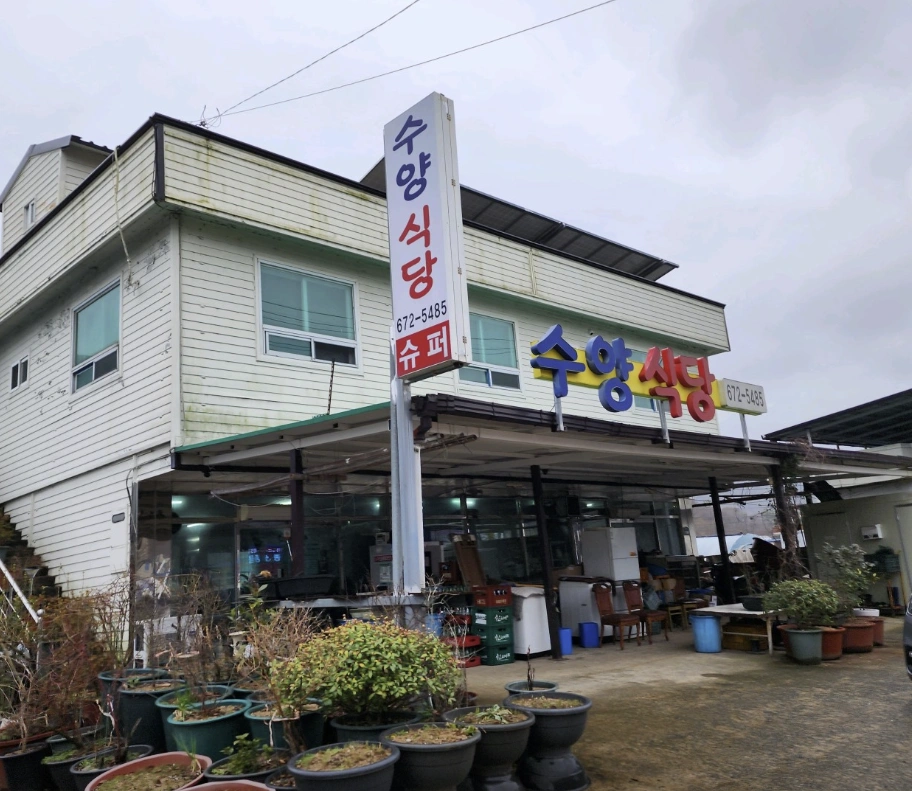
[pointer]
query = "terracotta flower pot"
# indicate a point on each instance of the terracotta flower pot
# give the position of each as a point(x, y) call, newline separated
point(832, 642)
point(180, 759)
point(858, 637)
point(878, 629)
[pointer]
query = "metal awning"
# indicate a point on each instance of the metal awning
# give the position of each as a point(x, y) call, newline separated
point(505, 441)
point(886, 421)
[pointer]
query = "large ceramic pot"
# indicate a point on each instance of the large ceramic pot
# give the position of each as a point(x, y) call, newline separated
point(347, 729)
point(139, 717)
point(24, 769)
point(500, 747)
point(374, 777)
point(109, 678)
point(82, 777)
point(167, 705)
point(430, 767)
point(784, 629)
point(272, 782)
point(831, 642)
point(878, 629)
point(59, 764)
point(515, 687)
point(308, 727)
point(548, 763)
point(858, 637)
point(806, 646)
point(235, 785)
point(214, 734)
point(162, 759)
point(213, 775)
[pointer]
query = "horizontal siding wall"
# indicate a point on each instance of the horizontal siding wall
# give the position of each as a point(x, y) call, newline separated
point(77, 164)
point(69, 525)
point(226, 390)
point(49, 434)
point(39, 181)
point(80, 228)
point(241, 186)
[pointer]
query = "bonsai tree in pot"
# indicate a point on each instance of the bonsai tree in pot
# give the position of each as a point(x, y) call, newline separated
point(370, 673)
point(809, 603)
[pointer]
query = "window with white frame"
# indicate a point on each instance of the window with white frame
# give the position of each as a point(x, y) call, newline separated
point(19, 373)
point(307, 316)
point(493, 353)
point(642, 402)
point(96, 347)
point(29, 213)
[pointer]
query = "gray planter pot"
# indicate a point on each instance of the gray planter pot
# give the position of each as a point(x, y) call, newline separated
point(515, 687)
point(348, 732)
point(375, 777)
point(431, 767)
point(210, 736)
point(548, 763)
point(166, 707)
point(212, 776)
point(500, 747)
point(81, 779)
point(806, 645)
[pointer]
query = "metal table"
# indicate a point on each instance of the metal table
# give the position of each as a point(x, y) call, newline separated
point(730, 610)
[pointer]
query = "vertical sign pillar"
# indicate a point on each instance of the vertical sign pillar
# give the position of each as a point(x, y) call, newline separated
point(296, 493)
point(729, 587)
point(430, 330)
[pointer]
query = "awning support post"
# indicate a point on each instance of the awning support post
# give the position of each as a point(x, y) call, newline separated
point(296, 493)
point(783, 515)
point(544, 549)
point(728, 592)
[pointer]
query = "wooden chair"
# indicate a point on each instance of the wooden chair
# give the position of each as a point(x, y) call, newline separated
point(604, 599)
point(633, 595)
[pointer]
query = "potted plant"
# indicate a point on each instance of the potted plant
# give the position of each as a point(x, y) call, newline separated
point(530, 684)
point(433, 756)
point(348, 766)
point(280, 780)
point(851, 576)
point(560, 719)
point(369, 672)
point(183, 698)
point(208, 728)
point(809, 603)
point(248, 759)
point(85, 770)
point(504, 736)
point(165, 771)
point(270, 637)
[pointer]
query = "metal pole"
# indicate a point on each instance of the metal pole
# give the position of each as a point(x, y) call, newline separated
point(747, 439)
point(729, 592)
point(395, 483)
point(663, 420)
point(296, 493)
point(544, 549)
point(559, 413)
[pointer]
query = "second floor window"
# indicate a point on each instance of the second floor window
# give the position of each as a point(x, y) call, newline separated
point(97, 342)
point(493, 353)
point(29, 214)
point(307, 316)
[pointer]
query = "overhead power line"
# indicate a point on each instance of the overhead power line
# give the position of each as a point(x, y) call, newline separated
point(232, 111)
point(321, 58)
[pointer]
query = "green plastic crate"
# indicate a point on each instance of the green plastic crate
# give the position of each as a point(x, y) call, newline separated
point(497, 655)
point(496, 635)
point(492, 616)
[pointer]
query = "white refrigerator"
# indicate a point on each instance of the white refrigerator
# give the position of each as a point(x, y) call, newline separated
point(611, 552)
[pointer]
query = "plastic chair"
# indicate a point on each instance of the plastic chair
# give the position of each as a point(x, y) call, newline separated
point(604, 599)
point(633, 595)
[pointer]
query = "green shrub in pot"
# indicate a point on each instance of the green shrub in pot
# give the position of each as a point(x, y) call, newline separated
point(809, 603)
point(850, 574)
point(366, 670)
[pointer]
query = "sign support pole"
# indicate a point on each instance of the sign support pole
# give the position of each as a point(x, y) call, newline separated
point(747, 439)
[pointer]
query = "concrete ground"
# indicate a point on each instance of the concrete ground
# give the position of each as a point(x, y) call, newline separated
point(665, 717)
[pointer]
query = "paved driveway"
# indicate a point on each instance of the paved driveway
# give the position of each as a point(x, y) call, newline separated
point(665, 717)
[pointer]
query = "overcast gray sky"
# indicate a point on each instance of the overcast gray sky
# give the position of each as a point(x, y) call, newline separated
point(764, 146)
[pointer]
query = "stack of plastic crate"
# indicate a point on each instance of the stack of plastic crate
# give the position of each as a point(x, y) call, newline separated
point(492, 623)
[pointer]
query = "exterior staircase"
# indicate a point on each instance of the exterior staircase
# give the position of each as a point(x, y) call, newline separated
point(25, 566)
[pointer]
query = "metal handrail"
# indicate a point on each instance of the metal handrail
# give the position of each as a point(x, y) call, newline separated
point(18, 591)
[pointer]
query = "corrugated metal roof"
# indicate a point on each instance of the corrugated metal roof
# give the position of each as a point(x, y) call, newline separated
point(886, 421)
point(506, 218)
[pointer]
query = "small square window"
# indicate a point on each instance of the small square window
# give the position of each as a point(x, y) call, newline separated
point(19, 374)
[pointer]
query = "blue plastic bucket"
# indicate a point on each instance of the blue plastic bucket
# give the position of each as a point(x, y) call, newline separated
point(566, 641)
point(589, 634)
point(707, 632)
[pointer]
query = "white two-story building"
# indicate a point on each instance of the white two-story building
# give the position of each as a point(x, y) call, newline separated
point(191, 314)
